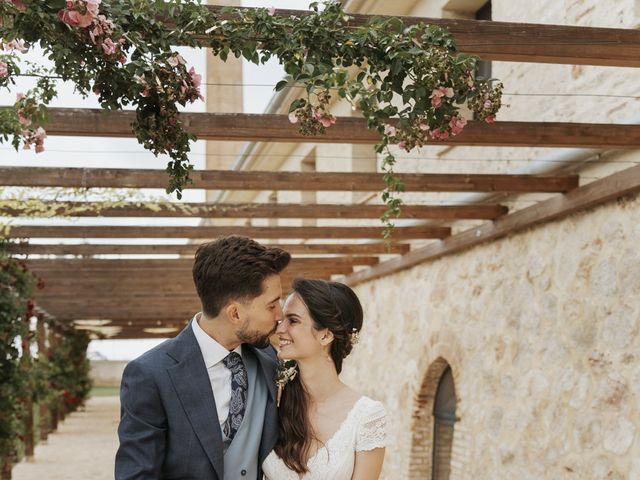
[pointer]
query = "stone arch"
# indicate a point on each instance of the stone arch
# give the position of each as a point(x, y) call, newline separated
point(443, 353)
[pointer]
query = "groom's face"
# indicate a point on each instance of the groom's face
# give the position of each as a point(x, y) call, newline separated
point(261, 314)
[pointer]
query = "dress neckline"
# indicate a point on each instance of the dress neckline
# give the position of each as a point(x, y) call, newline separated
point(338, 430)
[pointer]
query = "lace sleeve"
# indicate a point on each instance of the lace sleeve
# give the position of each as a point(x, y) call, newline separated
point(372, 431)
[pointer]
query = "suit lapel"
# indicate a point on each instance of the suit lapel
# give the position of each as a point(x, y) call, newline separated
point(191, 381)
point(270, 427)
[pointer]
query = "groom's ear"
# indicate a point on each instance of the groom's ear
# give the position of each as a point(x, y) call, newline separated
point(232, 309)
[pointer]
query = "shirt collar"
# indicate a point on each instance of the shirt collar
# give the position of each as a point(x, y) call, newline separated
point(212, 351)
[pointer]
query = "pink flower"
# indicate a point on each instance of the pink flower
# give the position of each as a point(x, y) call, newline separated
point(109, 46)
point(438, 93)
point(85, 20)
point(175, 60)
point(390, 131)
point(19, 5)
point(439, 134)
point(93, 6)
point(70, 17)
point(271, 11)
point(14, 45)
point(457, 124)
point(19, 96)
point(4, 70)
point(436, 99)
point(424, 126)
point(293, 118)
point(402, 144)
point(490, 119)
point(327, 120)
point(22, 118)
point(195, 78)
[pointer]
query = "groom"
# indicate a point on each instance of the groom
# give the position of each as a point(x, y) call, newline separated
point(202, 405)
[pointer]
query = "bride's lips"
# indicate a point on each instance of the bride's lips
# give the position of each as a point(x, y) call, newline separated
point(283, 342)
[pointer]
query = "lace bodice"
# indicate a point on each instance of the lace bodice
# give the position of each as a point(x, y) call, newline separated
point(364, 428)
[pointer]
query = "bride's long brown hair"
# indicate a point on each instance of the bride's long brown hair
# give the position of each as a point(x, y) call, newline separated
point(334, 306)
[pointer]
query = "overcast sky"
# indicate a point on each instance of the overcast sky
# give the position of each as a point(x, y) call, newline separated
point(127, 153)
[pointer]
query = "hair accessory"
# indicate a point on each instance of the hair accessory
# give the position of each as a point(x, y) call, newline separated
point(285, 372)
point(355, 336)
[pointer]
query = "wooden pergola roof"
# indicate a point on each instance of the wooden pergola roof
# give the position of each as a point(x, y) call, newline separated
point(141, 295)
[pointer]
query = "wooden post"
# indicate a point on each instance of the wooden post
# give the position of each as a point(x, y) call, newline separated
point(27, 402)
point(41, 336)
point(7, 466)
point(55, 402)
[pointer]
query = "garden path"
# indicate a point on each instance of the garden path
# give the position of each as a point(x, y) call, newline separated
point(83, 448)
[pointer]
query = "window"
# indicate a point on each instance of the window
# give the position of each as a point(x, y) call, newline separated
point(444, 419)
point(483, 68)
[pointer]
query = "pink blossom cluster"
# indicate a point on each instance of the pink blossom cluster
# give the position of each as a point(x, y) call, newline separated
point(13, 45)
point(34, 137)
point(192, 91)
point(419, 134)
point(487, 102)
point(19, 4)
point(84, 14)
point(80, 13)
point(4, 69)
point(171, 78)
point(438, 93)
point(31, 135)
point(323, 118)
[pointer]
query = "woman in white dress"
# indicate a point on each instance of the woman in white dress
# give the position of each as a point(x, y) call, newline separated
point(327, 430)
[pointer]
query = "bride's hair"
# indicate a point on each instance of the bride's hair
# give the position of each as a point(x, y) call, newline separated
point(334, 306)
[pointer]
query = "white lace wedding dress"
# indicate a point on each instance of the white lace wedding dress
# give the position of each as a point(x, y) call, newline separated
point(364, 428)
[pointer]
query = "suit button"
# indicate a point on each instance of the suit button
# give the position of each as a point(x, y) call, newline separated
point(243, 472)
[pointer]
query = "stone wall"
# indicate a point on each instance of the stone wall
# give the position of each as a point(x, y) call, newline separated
point(541, 331)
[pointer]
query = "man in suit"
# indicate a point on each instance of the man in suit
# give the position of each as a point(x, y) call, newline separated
point(202, 405)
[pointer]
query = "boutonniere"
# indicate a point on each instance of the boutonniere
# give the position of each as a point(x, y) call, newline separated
point(285, 372)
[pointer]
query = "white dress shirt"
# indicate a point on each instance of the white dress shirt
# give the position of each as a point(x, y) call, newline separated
point(219, 375)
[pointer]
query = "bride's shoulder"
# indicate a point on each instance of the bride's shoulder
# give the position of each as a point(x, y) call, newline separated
point(368, 407)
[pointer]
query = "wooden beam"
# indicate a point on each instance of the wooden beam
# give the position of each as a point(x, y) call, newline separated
point(190, 248)
point(264, 210)
point(176, 264)
point(277, 128)
point(291, 181)
point(329, 232)
point(526, 42)
point(614, 186)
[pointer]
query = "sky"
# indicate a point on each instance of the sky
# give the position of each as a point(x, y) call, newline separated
point(127, 153)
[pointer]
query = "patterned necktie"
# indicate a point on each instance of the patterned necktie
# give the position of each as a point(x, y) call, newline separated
point(239, 384)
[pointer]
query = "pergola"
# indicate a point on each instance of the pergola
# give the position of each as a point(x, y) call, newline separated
point(149, 297)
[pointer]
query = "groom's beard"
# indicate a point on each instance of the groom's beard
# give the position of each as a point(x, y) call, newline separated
point(254, 337)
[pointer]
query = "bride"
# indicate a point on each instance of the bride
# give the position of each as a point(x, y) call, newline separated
point(326, 430)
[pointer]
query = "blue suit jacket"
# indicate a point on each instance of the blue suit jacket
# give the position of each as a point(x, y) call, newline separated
point(169, 426)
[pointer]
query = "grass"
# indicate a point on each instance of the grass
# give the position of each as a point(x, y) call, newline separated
point(104, 391)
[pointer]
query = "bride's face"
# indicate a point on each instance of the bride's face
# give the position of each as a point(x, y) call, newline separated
point(297, 334)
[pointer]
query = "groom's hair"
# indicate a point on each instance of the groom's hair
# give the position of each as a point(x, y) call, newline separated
point(233, 268)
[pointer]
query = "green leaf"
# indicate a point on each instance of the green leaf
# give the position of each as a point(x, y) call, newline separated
point(296, 104)
point(280, 85)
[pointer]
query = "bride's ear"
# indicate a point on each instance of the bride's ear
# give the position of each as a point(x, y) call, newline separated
point(326, 338)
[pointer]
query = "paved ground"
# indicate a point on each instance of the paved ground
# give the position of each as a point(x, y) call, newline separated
point(83, 448)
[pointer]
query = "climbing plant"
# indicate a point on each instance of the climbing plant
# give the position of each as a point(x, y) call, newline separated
point(409, 82)
point(16, 287)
